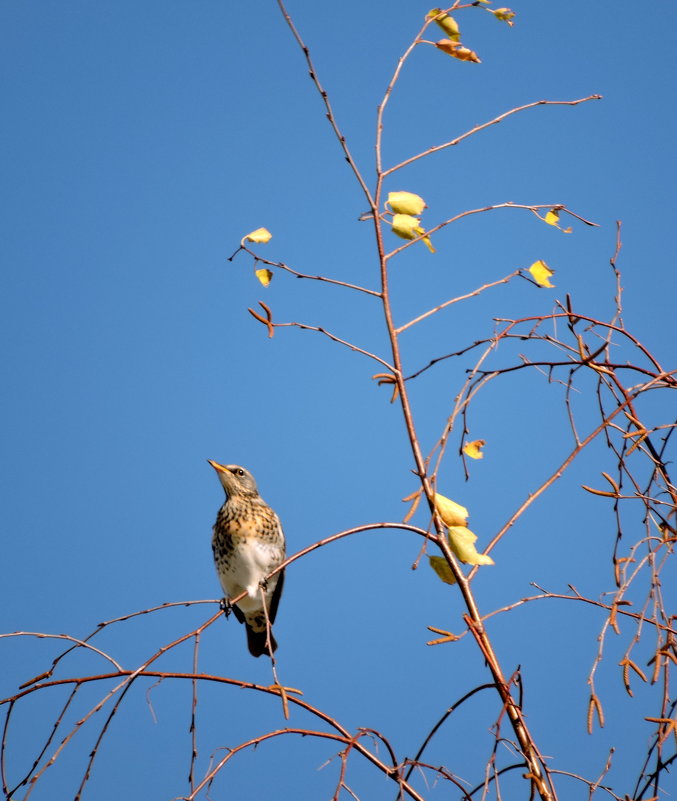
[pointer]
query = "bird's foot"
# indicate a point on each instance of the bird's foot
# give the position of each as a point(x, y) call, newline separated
point(226, 607)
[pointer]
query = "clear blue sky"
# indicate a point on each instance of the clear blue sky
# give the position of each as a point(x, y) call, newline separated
point(140, 142)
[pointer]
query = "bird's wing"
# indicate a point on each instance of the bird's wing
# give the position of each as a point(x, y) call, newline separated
point(275, 600)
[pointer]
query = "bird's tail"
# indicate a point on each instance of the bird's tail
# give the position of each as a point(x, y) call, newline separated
point(257, 642)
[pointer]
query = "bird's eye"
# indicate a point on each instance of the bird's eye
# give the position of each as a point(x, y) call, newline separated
point(240, 471)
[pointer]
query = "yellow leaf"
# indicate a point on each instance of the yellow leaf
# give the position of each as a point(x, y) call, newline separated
point(406, 203)
point(457, 51)
point(452, 513)
point(552, 217)
point(447, 23)
point(474, 449)
point(462, 542)
point(541, 273)
point(440, 565)
point(408, 227)
point(504, 14)
point(265, 276)
point(261, 235)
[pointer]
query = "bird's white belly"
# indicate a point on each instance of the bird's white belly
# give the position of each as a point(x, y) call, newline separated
point(249, 565)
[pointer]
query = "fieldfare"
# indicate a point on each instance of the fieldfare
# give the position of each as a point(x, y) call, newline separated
point(248, 542)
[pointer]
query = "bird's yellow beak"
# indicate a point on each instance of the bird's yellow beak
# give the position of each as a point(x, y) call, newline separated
point(218, 467)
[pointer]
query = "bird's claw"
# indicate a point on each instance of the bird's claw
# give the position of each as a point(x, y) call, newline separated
point(226, 606)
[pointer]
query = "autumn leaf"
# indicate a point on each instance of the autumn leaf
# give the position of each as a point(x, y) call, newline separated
point(474, 449)
point(406, 203)
point(447, 23)
point(552, 217)
point(451, 513)
point(541, 273)
point(261, 236)
point(462, 542)
point(457, 51)
point(440, 565)
point(408, 227)
point(504, 14)
point(264, 275)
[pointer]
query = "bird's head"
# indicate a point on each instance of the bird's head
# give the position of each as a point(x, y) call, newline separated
point(234, 479)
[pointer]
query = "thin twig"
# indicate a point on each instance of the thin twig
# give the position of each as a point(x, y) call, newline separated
point(325, 99)
point(323, 278)
point(484, 125)
point(334, 338)
point(456, 300)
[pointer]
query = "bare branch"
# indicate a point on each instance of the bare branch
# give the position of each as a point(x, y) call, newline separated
point(322, 278)
point(325, 99)
point(484, 125)
point(469, 212)
point(456, 300)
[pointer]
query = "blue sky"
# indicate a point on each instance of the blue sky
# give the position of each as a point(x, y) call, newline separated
point(141, 142)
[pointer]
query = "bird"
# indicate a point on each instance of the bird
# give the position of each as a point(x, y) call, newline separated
point(248, 543)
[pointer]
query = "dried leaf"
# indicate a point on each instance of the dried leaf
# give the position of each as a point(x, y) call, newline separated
point(462, 542)
point(264, 275)
point(261, 236)
point(474, 449)
point(408, 227)
point(541, 273)
point(452, 513)
point(406, 203)
point(457, 51)
point(440, 565)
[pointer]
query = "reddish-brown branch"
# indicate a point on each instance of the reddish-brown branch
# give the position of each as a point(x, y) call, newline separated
point(280, 265)
point(334, 338)
point(581, 599)
point(325, 99)
point(447, 303)
point(559, 472)
point(343, 735)
point(482, 210)
point(495, 121)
